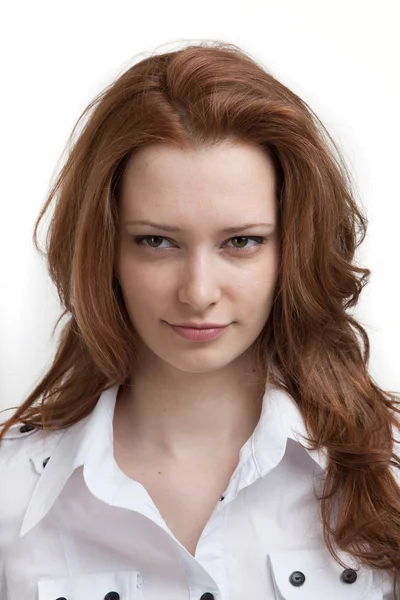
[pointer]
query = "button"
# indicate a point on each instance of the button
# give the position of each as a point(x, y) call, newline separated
point(111, 596)
point(46, 460)
point(26, 428)
point(207, 596)
point(297, 578)
point(348, 576)
point(61, 598)
point(222, 497)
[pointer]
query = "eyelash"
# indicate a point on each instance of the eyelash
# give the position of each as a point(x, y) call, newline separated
point(259, 239)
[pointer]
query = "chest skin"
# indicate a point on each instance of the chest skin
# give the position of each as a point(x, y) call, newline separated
point(185, 495)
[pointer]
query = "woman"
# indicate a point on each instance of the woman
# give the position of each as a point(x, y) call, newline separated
point(208, 428)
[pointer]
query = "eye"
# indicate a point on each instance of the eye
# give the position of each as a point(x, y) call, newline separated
point(139, 239)
point(259, 240)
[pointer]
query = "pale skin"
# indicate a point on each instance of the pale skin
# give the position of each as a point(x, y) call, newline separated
point(189, 407)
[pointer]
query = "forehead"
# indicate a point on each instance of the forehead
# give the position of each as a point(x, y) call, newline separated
point(226, 176)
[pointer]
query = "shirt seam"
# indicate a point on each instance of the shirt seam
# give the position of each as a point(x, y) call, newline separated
point(224, 527)
point(60, 534)
point(184, 569)
point(253, 455)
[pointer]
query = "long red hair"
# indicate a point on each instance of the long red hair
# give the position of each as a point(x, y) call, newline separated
point(195, 97)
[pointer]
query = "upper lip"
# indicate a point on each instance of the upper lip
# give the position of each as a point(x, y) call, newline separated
point(198, 325)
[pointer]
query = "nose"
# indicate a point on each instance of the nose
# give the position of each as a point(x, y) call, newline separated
point(200, 284)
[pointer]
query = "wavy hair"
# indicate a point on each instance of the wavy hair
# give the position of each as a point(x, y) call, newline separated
point(196, 97)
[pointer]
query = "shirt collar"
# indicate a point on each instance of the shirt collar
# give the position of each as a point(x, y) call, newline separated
point(280, 419)
point(281, 414)
point(71, 452)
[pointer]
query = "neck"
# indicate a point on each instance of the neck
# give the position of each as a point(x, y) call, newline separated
point(193, 416)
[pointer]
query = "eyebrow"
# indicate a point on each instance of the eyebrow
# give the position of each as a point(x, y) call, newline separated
point(171, 228)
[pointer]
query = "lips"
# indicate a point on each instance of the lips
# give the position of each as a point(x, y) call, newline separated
point(199, 334)
point(197, 326)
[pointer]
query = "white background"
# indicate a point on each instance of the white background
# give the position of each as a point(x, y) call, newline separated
point(341, 57)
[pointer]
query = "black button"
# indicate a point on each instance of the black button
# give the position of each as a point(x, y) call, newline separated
point(348, 576)
point(222, 497)
point(26, 428)
point(46, 460)
point(207, 596)
point(61, 598)
point(297, 578)
point(111, 596)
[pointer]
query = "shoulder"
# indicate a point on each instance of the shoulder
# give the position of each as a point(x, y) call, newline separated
point(24, 448)
point(23, 443)
point(23, 453)
point(15, 443)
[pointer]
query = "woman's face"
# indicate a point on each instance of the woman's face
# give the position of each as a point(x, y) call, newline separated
point(188, 268)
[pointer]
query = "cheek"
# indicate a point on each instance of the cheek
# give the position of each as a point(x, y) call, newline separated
point(258, 284)
point(143, 288)
point(257, 294)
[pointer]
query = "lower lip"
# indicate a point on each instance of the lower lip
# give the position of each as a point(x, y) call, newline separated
point(199, 335)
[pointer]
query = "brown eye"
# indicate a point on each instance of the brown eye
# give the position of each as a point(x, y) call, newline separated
point(139, 239)
point(258, 239)
point(242, 239)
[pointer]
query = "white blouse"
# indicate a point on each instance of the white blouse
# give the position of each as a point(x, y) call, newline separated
point(73, 526)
